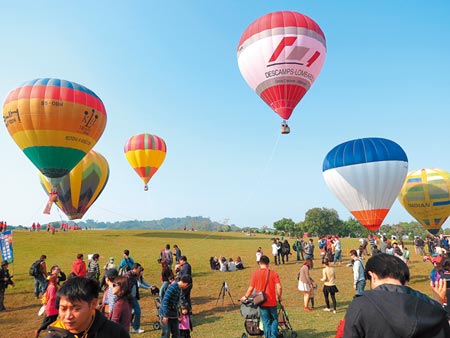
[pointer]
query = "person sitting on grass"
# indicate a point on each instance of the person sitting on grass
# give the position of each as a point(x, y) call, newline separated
point(239, 264)
point(214, 263)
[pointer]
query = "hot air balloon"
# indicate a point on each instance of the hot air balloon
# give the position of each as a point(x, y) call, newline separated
point(426, 196)
point(78, 190)
point(280, 56)
point(145, 153)
point(55, 123)
point(366, 176)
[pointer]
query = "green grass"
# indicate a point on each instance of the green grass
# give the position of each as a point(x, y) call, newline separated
point(211, 319)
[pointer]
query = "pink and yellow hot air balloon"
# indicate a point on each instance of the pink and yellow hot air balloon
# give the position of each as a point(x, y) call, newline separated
point(426, 196)
point(145, 153)
point(280, 56)
point(78, 190)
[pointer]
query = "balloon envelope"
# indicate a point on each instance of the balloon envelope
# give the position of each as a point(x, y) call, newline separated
point(280, 56)
point(366, 176)
point(426, 196)
point(55, 123)
point(145, 153)
point(78, 190)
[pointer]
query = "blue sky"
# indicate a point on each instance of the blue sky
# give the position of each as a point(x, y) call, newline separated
point(170, 68)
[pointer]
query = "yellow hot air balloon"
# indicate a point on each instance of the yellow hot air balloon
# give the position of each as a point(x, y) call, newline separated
point(55, 123)
point(426, 196)
point(145, 153)
point(78, 190)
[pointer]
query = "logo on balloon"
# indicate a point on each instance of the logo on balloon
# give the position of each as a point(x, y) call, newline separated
point(297, 53)
point(89, 119)
point(10, 119)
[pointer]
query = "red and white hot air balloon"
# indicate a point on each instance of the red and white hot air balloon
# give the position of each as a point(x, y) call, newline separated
point(280, 56)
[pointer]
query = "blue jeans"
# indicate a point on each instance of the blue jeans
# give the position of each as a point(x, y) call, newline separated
point(360, 285)
point(137, 315)
point(269, 318)
point(40, 285)
point(170, 327)
point(338, 256)
point(163, 289)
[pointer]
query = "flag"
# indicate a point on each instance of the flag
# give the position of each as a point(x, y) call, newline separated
point(6, 246)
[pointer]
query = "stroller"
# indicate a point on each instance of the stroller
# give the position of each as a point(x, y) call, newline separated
point(157, 300)
point(250, 312)
point(284, 326)
point(253, 325)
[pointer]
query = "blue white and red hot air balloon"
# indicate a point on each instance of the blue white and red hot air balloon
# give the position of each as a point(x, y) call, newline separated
point(366, 175)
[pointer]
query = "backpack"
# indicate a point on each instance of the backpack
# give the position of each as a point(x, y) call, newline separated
point(124, 269)
point(35, 268)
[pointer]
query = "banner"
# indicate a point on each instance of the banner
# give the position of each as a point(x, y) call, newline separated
point(6, 246)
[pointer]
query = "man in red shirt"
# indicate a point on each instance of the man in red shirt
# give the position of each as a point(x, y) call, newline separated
point(267, 280)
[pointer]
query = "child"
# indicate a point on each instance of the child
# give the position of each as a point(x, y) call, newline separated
point(259, 253)
point(185, 325)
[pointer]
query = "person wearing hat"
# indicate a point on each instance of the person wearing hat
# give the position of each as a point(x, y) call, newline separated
point(108, 266)
point(5, 280)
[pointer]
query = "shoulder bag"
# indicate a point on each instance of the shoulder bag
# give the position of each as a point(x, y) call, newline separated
point(260, 296)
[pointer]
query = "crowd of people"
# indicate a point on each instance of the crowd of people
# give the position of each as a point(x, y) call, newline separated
point(3, 226)
point(223, 264)
point(74, 307)
point(379, 262)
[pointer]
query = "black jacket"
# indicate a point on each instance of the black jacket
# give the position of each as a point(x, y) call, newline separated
point(5, 279)
point(101, 328)
point(394, 311)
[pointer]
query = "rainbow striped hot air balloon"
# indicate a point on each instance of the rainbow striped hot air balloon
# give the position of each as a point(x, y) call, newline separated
point(366, 176)
point(145, 153)
point(426, 196)
point(55, 123)
point(78, 190)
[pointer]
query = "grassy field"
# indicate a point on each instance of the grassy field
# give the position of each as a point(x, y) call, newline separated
point(213, 316)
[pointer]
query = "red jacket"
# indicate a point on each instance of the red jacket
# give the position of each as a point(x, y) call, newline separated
point(79, 267)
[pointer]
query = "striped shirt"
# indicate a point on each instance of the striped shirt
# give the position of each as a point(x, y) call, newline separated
point(169, 305)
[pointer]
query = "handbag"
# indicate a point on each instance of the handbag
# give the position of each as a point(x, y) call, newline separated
point(260, 296)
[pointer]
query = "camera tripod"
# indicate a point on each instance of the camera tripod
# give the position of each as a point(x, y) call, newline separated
point(223, 290)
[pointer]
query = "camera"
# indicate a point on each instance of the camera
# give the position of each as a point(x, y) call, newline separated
point(446, 276)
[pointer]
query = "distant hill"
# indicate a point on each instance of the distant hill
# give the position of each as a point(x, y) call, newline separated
point(197, 223)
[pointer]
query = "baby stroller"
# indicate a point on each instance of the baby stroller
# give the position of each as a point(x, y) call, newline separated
point(157, 300)
point(252, 324)
point(250, 313)
point(284, 326)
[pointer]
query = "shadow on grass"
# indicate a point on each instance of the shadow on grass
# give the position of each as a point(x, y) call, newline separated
point(204, 320)
point(420, 279)
point(212, 315)
point(315, 334)
point(31, 306)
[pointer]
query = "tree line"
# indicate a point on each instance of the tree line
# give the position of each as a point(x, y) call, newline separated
point(323, 221)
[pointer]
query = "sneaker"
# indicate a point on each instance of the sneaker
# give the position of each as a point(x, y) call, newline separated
point(136, 331)
point(327, 309)
point(307, 309)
